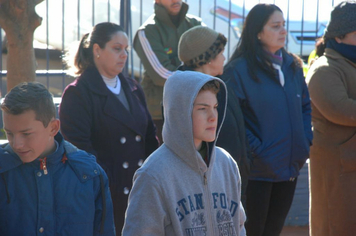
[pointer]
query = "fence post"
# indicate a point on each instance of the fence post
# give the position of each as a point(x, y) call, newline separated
point(125, 22)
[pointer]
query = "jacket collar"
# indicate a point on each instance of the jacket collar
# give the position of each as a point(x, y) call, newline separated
point(9, 160)
point(94, 82)
point(337, 56)
point(287, 59)
point(82, 163)
point(162, 14)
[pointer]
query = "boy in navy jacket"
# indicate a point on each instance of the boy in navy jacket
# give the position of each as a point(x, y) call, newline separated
point(47, 185)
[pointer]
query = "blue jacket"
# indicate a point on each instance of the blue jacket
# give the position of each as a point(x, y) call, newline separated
point(277, 119)
point(73, 198)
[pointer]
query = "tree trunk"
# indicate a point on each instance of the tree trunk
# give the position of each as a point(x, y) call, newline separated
point(19, 21)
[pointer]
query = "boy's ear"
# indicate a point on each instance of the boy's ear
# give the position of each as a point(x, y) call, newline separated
point(54, 127)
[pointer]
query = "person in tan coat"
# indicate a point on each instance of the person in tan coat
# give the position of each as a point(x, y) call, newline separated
point(332, 87)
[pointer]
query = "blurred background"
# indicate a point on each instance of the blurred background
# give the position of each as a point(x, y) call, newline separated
point(65, 21)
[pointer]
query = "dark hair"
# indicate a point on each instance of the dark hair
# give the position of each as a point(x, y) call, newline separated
point(101, 34)
point(320, 46)
point(30, 96)
point(212, 85)
point(250, 47)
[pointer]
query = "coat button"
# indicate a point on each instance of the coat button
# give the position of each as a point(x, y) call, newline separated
point(123, 140)
point(41, 230)
point(85, 177)
point(95, 172)
point(126, 190)
point(39, 173)
point(140, 162)
point(138, 138)
point(125, 165)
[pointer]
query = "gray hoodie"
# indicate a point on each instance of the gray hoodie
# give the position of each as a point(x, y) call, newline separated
point(175, 192)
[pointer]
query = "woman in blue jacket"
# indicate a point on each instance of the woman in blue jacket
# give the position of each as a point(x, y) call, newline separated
point(269, 83)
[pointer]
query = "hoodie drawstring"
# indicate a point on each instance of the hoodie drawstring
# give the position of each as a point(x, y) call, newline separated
point(7, 190)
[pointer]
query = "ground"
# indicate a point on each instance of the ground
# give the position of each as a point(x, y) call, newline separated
point(295, 231)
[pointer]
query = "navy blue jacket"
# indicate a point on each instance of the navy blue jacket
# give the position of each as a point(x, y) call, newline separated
point(73, 198)
point(277, 119)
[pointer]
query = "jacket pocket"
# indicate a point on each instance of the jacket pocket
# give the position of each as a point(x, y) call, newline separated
point(348, 155)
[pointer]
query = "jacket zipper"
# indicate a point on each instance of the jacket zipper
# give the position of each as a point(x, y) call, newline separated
point(210, 229)
point(291, 131)
point(44, 165)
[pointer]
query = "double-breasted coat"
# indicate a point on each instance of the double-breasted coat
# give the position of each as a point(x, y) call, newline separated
point(94, 119)
point(332, 87)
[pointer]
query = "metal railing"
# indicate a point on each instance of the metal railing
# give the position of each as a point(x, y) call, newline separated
point(132, 13)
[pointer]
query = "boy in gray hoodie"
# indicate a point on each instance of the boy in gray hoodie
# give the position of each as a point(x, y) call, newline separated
point(188, 186)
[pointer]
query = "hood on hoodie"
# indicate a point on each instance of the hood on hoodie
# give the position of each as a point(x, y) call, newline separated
point(179, 93)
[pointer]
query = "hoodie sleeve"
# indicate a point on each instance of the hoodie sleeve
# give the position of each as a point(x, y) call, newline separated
point(242, 220)
point(146, 214)
point(242, 216)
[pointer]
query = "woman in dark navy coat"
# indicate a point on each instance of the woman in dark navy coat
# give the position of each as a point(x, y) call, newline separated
point(104, 113)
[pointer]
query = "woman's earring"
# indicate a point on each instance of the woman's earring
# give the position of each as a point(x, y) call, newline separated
point(209, 63)
point(97, 56)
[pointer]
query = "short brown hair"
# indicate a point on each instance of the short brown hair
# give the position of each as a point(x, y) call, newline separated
point(30, 96)
point(212, 85)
